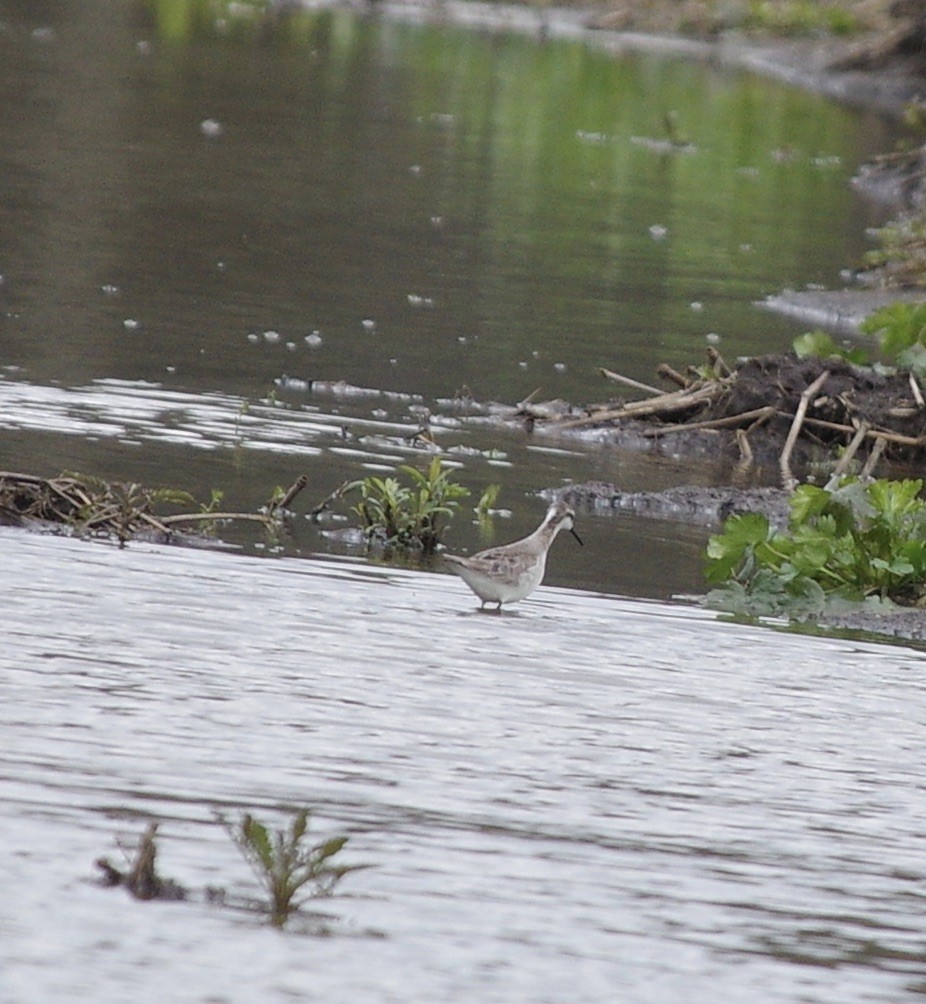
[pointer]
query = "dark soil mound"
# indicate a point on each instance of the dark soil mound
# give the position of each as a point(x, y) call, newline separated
point(848, 396)
point(784, 407)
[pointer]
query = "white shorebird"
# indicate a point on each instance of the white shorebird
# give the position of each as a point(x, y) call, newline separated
point(509, 573)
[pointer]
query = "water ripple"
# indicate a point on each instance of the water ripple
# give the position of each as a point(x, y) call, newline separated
point(587, 793)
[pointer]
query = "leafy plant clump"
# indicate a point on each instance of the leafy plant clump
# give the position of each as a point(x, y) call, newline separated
point(284, 866)
point(850, 541)
point(409, 516)
point(899, 330)
point(902, 254)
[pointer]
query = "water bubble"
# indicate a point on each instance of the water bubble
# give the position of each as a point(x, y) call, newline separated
point(210, 127)
point(592, 137)
point(272, 337)
point(291, 383)
point(313, 340)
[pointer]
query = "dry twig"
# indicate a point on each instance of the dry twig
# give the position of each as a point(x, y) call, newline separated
point(788, 480)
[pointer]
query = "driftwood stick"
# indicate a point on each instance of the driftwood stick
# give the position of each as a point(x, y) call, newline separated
point(761, 414)
point(291, 493)
point(629, 381)
point(860, 433)
point(199, 517)
point(665, 370)
point(742, 441)
point(677, 400)
point(717, 361)
point(29, 479)
point(891, 437)
point(788, 480)
point(874, 456)
point(155, 522)
point(530, 397)
point(316, 511)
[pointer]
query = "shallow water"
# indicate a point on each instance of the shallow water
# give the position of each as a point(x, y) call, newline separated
point(586, 799)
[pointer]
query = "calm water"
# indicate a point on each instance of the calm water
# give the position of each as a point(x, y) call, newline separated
point(593, 798)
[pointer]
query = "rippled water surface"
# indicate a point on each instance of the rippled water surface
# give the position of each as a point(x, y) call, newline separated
point(235, 250)
point(590, 799)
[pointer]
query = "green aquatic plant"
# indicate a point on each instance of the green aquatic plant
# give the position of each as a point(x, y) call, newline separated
point(900, 332)
point(822, 345)
point(408, 516)
point(902, 252)
point(898, 329)
point(850, 541)
point(486, 501)
point(285, 865)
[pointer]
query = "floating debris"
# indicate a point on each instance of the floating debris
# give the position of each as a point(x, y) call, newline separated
point(142, 879)
point(81, 504)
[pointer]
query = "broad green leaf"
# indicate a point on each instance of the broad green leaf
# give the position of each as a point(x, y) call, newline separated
point(820, 345)
point(727, 550)
point(807, 502)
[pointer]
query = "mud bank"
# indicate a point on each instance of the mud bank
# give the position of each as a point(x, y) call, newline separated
point(821, 65)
